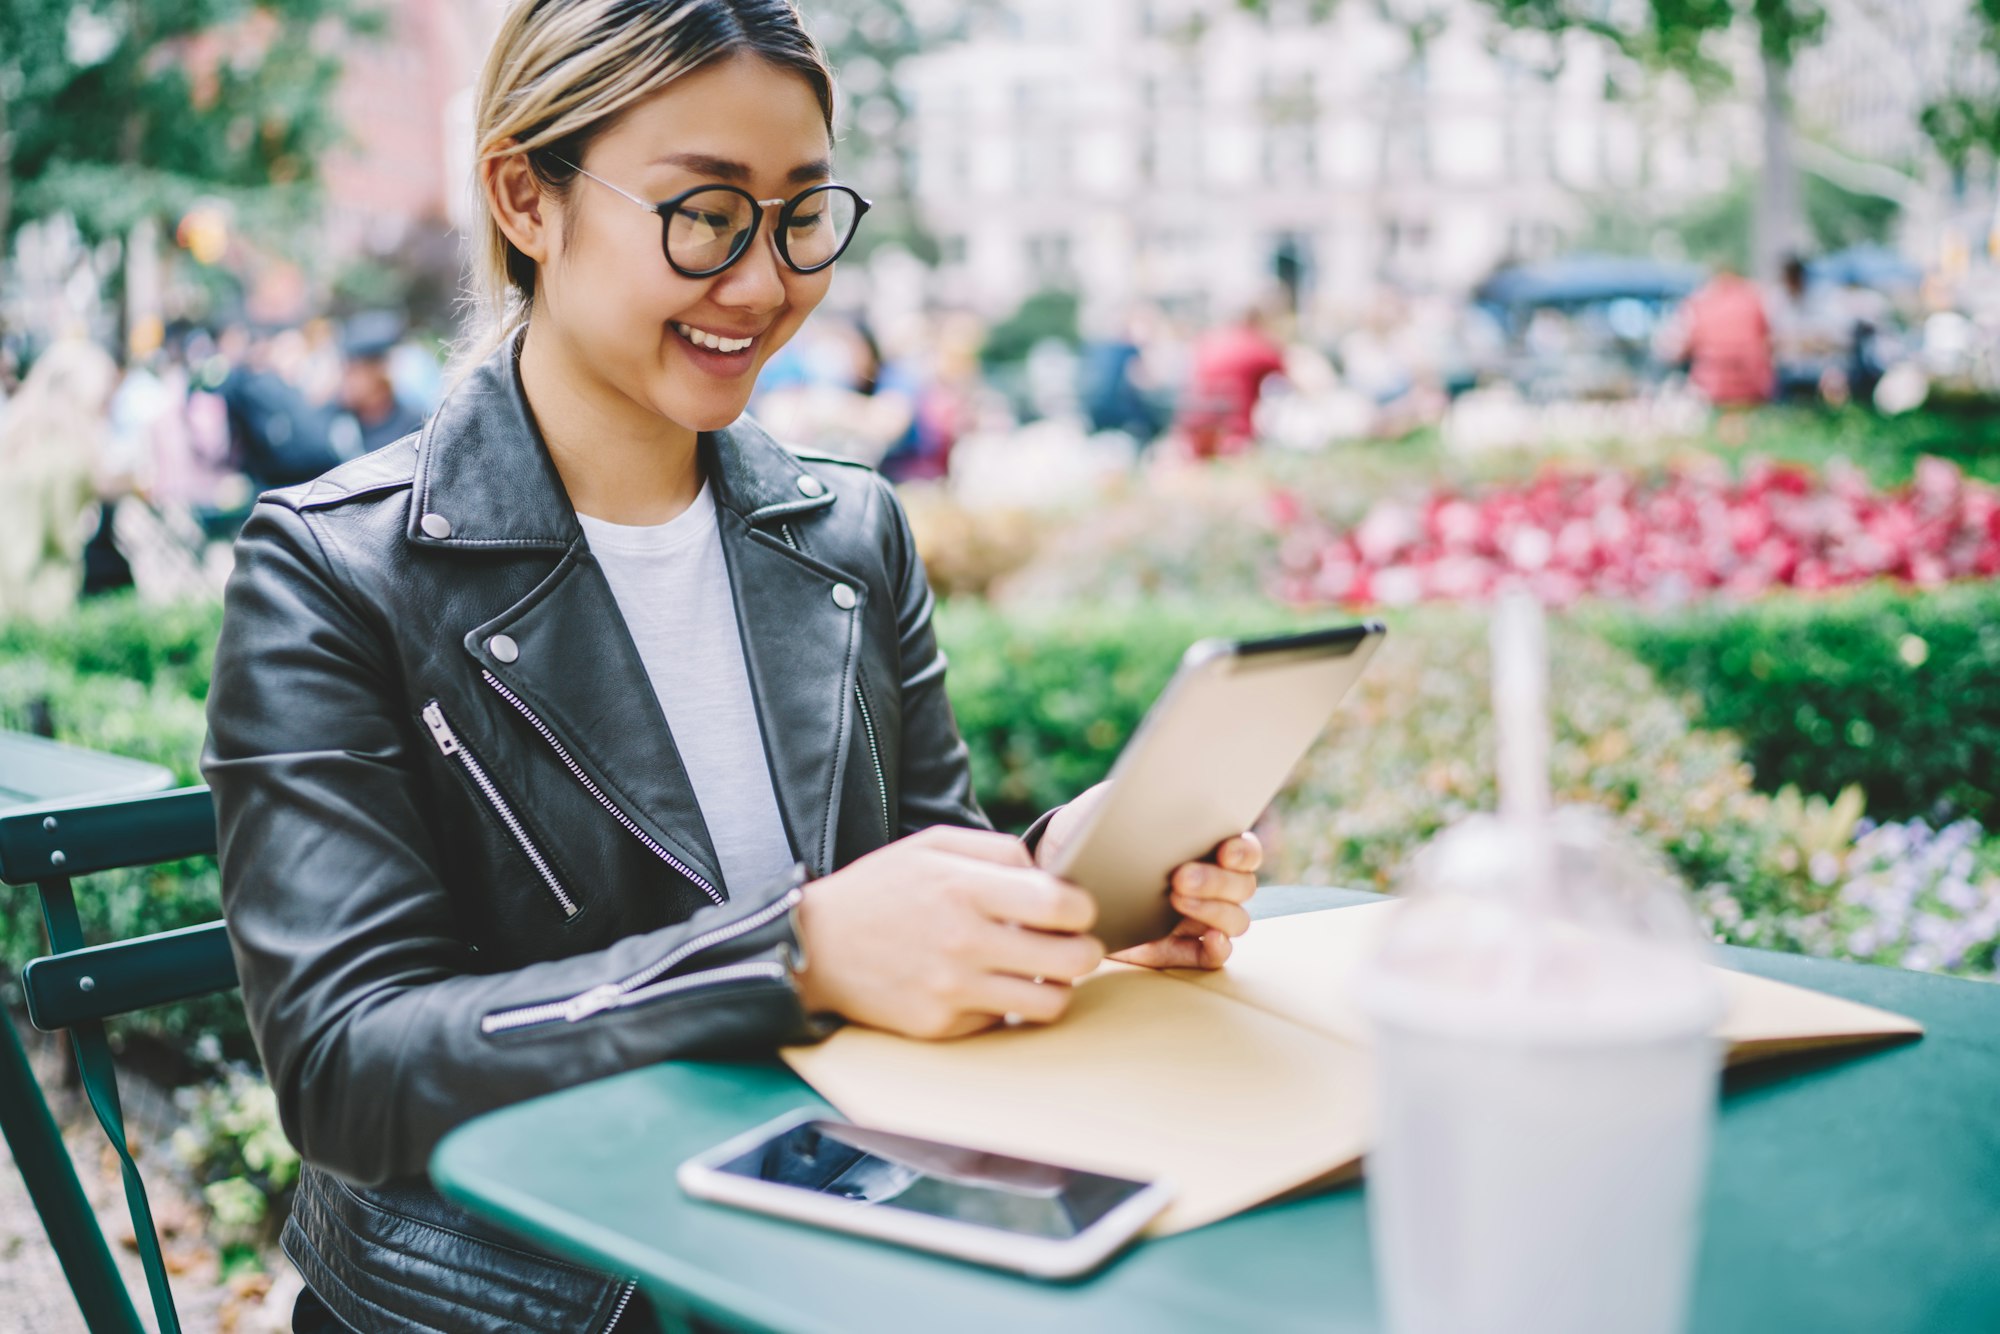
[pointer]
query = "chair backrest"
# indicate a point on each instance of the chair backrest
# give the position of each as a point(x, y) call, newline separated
point(78, 986)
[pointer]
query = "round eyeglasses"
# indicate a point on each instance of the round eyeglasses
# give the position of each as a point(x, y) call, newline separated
point(705, 230)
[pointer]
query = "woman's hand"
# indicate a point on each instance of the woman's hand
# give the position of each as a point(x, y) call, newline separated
point(1209, 895)
point(942, 934)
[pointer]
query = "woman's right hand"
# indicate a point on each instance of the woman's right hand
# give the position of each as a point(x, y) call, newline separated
point(944, 933)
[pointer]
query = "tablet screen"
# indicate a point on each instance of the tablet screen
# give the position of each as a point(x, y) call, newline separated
point(884, 1171)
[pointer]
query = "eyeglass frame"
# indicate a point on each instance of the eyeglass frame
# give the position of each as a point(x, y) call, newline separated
point(665, 207)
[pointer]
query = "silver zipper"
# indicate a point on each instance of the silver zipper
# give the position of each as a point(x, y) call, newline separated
point(875, 754)
point(624, 1300)
point(785, 531)
point(651, 844)
point(639, 986)
point(448, 745)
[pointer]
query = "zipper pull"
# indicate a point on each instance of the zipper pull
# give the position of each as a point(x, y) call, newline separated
point(447, 740)
point(591, 1002)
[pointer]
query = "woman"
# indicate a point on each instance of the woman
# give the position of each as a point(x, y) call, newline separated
point(588, 727)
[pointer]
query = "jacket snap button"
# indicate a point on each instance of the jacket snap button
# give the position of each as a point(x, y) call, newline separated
point(811, 486)
point(503, 648)
point(843, 597)
point(435, 525)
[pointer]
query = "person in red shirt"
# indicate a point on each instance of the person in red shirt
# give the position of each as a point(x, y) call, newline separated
point(1230, 366)
point(1727, 338)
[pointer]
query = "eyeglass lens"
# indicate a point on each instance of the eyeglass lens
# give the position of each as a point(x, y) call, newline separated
point(710, 228)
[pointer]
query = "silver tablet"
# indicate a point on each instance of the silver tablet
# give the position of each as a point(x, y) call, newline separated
point(1211, 754)
point(1037, 1218)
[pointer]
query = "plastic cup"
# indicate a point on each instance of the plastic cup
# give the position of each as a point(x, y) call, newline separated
point(1535, 1171)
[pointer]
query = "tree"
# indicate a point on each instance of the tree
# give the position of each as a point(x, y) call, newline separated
point(123, 112)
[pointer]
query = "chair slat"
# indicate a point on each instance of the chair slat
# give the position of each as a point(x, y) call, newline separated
point(104, 835)
point(127, 975)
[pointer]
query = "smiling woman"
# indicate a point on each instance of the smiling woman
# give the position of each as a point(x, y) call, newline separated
point(557, 738)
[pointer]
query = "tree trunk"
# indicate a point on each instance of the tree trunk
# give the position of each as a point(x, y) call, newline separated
point(1778, 227)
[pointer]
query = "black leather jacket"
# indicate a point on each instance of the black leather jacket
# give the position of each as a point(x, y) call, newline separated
point(462, 863)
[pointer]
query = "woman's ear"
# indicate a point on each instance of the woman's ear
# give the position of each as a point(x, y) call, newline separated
point(517, 203)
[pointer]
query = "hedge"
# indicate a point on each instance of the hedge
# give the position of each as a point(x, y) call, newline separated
point(1046, 696)
point(1895, 691)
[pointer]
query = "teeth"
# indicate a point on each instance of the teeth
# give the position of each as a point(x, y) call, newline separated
point(702, 338)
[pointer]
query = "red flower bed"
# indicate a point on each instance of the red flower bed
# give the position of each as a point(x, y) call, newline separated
point(1658, 538)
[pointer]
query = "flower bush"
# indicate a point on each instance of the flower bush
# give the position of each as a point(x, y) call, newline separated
point(1905, 895)
point(1657, 539)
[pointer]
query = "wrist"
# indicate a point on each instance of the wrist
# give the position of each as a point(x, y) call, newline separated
point(806, 980)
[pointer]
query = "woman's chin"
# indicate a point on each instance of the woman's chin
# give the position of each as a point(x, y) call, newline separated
point(702, 412)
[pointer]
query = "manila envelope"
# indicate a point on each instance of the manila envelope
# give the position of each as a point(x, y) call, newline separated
point(1235, 1087)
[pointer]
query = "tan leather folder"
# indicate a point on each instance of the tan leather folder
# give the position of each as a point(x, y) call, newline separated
point(1236, 1086)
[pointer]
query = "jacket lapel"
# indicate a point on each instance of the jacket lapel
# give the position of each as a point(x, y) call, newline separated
point(486, 486)
point(799, 645)
point(575, 668)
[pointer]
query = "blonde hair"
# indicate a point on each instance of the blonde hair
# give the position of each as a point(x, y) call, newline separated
point(563, 72)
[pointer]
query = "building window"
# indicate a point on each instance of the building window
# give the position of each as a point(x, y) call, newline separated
point(1049, 258)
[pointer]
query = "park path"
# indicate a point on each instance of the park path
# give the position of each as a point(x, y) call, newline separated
point(34, 1295)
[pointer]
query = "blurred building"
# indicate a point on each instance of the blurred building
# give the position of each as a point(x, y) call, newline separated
point(1186, 153)
point(405, 101)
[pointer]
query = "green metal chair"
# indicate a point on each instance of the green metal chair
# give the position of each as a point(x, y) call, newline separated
point(77, 987)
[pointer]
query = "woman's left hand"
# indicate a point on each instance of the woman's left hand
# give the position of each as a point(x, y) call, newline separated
point(1209, 895)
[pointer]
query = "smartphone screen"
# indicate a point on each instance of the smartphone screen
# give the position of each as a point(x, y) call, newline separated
point(873, 1167)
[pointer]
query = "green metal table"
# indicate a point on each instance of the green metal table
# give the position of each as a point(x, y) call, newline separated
point(36, 773)
point(1855, 1190)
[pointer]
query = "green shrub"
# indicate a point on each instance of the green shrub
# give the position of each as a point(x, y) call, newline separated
point(1894, 690)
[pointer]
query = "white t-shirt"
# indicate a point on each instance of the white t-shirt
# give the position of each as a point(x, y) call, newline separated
point(673, 590)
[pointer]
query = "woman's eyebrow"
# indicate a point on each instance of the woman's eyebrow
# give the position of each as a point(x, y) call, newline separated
point(703, 164)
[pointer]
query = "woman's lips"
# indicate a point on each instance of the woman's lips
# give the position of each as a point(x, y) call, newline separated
point(721, 365)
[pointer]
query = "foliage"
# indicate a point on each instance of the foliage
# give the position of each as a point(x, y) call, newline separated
point(1049, 313)
point(967, 550)
point(1963, 430)
point(129, 679)
point(1717, 229)
point(1893, 692)
point(233, 1143)
point(120, 111)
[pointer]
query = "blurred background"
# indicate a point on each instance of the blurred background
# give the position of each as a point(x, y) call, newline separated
point(1173, 317)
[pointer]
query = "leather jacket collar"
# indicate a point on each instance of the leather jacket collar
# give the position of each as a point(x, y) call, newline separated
point(485, 472)
point(484, 482)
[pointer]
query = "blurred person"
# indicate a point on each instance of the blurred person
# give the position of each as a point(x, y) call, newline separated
point(1115, 384)
point(946, 385)
point(53, 445)
point(602, 696)
point(189, 448)
point(1724, 335)
point(1809, 337)
point(825, 390)
point(367, 411)
point(278, 437)
point(1230, 366)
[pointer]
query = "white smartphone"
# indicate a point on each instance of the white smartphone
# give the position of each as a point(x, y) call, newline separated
point(1210, 755)
point(1035, 1218)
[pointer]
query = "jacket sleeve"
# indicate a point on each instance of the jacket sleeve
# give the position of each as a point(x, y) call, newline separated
point(374, 1022)
point(934, 767)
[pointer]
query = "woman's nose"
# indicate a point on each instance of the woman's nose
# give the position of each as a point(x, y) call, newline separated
point(755, 282)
